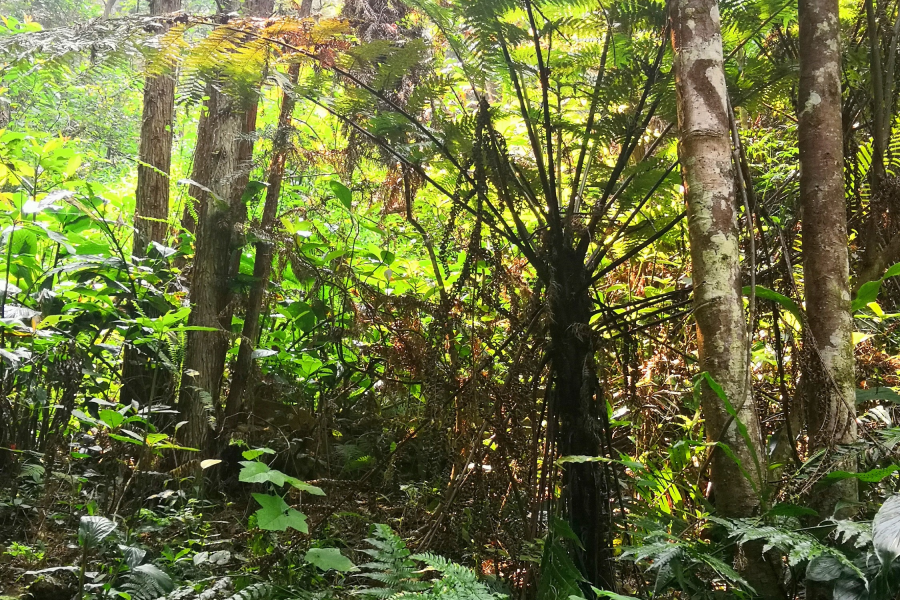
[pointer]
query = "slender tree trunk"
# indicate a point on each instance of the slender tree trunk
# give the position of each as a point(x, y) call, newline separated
point(151, 211)
point(879, 250)
point(705, 153)
point(830, 377)
point(151, 208)
point(264, 251)
point(879, 114)
point(224, 137)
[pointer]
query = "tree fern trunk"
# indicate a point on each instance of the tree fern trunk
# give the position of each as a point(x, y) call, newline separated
point(709, 181)
point(581, 415)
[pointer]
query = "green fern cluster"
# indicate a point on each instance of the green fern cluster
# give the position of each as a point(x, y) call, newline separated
point(221, 590)
point(394, 567)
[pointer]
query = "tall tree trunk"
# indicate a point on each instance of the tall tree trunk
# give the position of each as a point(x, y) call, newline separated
point(581, 416)
point(151, 208)
point(226, 134)
point(143, 378)
point(264, 251)
point(830, 377)
point(705, 153)
point(217, 251)
point(879, 249)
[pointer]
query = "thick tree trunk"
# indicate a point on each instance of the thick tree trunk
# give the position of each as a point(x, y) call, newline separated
point(709, 180)
point(217, 247)
point(201, 169)
point(581, 414)
point(225, 135)
point(143, 378)
point(830, 378)
point(264, 251)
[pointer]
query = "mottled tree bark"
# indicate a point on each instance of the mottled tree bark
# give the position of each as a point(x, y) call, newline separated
point(143, 377)
point(262, 264)
point(709, 180)
point(830, 378)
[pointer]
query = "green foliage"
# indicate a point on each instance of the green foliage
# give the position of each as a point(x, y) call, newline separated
point(258, 472)
point(93, 530)
point(276, 515)
point(862, 576)
point(560, 578)
point(440, 164)
point(256, 591)
point(394, 567)
point(328, 559)
point(29, 553)
point(147, 582)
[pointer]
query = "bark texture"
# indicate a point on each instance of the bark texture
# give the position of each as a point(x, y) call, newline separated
point(262, 265)
point(141, 380)
point(830, 378)
point(709, 180)
point(151, 207)
point(222, 162)
point(217, 251)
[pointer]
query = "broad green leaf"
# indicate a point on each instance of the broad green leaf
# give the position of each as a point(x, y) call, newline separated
point(152, 577)
point(886, 530)
point(156, 438)
point(790, 510)
point(824, 568)
point(329, 559)
point(256, 453)
point(785, 302)
point(112, 418)
point(252, 190)
point(276, 515)
point(133, 556)
point(342, 193)
point(859, 337)
point(94, 529)
point(873, 476)
point(877, 393)
point(868, 292)
point(303, 486)
point(256, 472)
point(126, 439)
